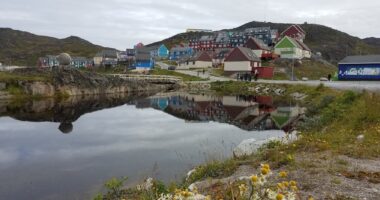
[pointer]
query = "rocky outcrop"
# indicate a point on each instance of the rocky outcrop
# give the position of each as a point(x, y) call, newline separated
point(72, 82)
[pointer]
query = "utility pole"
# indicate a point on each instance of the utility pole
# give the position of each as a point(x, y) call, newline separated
point(293, 69)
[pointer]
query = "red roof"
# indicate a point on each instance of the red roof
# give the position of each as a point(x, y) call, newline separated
point(242, 54)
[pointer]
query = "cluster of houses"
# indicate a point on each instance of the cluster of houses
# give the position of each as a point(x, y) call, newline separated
point(236, 52)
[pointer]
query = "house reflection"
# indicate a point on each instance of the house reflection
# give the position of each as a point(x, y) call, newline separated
point(246, 112)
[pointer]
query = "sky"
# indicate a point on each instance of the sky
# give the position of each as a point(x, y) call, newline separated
point(122, 23)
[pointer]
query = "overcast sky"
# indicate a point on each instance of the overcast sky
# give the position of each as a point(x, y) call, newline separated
point(123, 23)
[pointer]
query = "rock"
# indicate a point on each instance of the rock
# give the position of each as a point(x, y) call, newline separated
point(305, 79)
point(360, 138)
point(266, 90)
point(248, 147)
point(279, 91)
point(323, 79)
point(190, 173)
point(3, 86)
point(298, 96)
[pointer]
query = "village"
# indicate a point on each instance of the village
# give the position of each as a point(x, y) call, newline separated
point(233, 52)
point(243, 55)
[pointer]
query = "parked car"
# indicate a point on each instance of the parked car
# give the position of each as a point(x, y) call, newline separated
point(172, 67)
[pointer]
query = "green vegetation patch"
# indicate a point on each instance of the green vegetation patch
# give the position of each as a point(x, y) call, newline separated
point(177, 74)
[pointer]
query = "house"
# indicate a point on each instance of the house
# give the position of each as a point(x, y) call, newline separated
point(81, 62)
point(139, 45)
point(360, 68)
point(160, 52)
point(144, 59)
point(48, 61)
point(295, 31)
point(205, 43)
point(107, 57)
point(201, 59)
point(265, 34)
point(290, 48)
point(259, 48)
point(241, 60)
point(180, 51)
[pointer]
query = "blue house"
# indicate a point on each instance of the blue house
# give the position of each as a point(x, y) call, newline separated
point(163, 52)
point(144, 59)
point(178, 52)
point(360, 68)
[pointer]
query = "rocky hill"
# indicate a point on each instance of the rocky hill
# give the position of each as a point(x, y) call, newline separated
point(23, 48)
point(372, 41)
point(333, 44)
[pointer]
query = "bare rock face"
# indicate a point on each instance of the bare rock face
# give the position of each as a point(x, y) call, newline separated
point(40, 88)
point(3, 86)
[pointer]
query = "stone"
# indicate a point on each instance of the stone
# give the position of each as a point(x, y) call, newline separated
point(360, 138)
point(323, 79)
point(3, 86)
point(305, 79)
point(248, 147)
point(190, 173)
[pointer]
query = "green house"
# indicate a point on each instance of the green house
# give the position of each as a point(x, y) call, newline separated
point(290, 48)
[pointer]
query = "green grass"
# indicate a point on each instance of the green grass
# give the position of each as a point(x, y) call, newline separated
point(314, 70)
point(213, 169)
point(217, 72)
point(184, 77)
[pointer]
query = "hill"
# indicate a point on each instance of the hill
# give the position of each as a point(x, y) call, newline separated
point(333, 44)
point(372, 41)
point(23, 48)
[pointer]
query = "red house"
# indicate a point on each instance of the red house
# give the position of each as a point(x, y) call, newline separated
point(294, 31)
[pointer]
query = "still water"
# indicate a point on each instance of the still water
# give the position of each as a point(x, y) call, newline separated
point(67, 150)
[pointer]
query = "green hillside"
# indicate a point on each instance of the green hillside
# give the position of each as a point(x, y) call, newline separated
point(23, 48)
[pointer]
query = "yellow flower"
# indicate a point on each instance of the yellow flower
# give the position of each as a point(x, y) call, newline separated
point(280, 186)
point(208, 197)
point(186, 193)
point(310, 198)
point(264, 171)
point(294, 188)
point(266, 166)
point(279, 196)
point(283, 174)
point(254, 179)
point(285, 183)
point(293, 183)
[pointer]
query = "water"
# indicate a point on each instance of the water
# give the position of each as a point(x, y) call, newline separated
point(67, 150)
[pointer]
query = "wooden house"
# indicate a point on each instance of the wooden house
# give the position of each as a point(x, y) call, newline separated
point(241, 60)
point(294, 31)
point(290, 48)
point(199, 60)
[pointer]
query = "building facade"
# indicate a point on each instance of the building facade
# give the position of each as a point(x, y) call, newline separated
point(359, 68)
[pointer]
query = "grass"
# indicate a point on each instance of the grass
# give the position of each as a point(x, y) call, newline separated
point(217, 72)
point(213, 169)
point(184, 77)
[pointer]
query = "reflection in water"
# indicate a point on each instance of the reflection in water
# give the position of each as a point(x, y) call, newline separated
point(112, 136)
point(66, 127)
point(246, 112)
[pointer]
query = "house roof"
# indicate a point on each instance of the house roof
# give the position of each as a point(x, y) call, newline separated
point(246, 52)
point(143, 56)
point(366, 59)
point(295, 26)
point(295, 42)
point(204, 56)
point(259, 43)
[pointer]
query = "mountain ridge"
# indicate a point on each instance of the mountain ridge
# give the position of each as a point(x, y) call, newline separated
point(24, 48)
